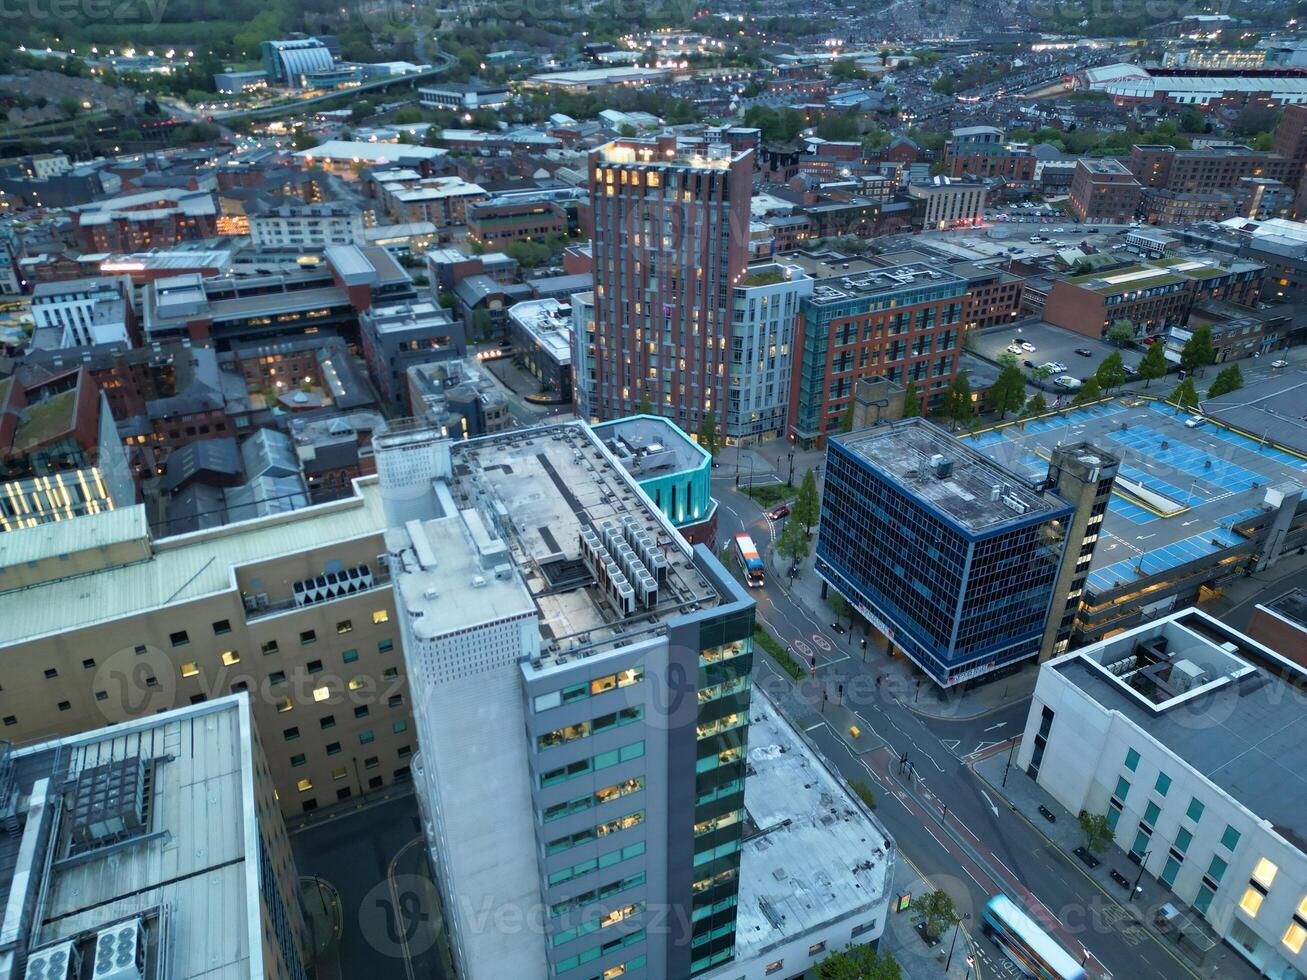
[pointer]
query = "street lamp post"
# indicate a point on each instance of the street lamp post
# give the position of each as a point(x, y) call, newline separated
point(1139, 877)
point(957, 926)
point(789, 482)
point(1010, 750)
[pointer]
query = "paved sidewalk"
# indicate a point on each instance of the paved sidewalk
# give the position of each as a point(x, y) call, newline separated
point(1025, 796)
point(919, 693)
point(903, 941)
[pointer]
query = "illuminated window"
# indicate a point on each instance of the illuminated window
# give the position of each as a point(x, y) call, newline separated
point(304, 785)
point(1252, 901)
point(344, 626)
point(1294, 936)
point(190, 670)
point(380, 616)
point(284, 705)
point(230, 657)
point(1264, 873)
point(321, 693)
point(339, 773)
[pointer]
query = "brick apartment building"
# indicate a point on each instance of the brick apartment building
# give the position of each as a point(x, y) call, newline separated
point(148, 220)
point(496, 223)
point(993, 296)
point(903, 322)
point(1102, 189)
point(1213, 170)
point(1153, 296)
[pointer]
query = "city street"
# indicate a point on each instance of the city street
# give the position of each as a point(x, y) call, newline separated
point(913, 750)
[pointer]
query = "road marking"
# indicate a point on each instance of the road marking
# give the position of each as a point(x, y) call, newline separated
point(821, 641)
point(993, 728)
point(992, 806)
point(820, 724)
point(1145, 537)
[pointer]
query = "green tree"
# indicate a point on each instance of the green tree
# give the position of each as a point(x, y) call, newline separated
point(1153, 364)
point(859, 963)
point(958, 406)
point(1121, 332)
point(935, 912)
point(1098, 832)
point(839, 127)
point(302, 139)
point(806, 509)
point(911, 404)
point(1227, 380)
point(1111, 372)
point(794, 544)
point(1036, 406)
point(1090, 391)
point(846, 69)
point(708, 433)
point(838, 605)
point(1008, 392)
point(360, 110)
point(1184, 396)
point(846, 420)
point(480, 323)
point(1197, 351)
point(645, 407)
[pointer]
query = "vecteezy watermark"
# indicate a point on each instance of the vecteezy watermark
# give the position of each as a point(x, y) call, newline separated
point(400, 916)
point(134, 682)
point(1144, 11)
point(84, 11)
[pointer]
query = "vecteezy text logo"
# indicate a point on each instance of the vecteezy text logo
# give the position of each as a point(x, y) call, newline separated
point(134, 682)
point(400, 916)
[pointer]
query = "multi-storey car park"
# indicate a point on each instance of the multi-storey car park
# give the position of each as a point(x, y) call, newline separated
point(1192, 506)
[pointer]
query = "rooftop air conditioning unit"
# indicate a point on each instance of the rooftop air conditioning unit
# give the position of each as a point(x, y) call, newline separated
point(120, 952)
point(58, 962)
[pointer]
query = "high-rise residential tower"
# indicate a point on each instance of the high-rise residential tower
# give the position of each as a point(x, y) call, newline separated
point(671, 243)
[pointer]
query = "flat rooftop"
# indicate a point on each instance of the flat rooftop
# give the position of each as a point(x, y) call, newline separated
point(1275, 406)
point(812, 853)
point(178, 569)
point(1216, 476)
point(1105, 165)
point(167, 872)
point(885, 282)
point(1230, 708)
point(822, 265)
point(549, 325)
point(646, 153)
point(650, 446)
point(903, 452)
point(1291, 606)
point(540, 488)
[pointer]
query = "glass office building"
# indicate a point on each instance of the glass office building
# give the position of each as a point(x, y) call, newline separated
point(953, 557)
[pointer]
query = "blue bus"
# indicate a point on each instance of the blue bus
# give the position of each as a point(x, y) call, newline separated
point(1032, 949)
point(750, 561)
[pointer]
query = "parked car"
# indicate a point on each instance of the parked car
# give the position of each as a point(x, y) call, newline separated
point(1084, 352)
point(1028, 347)
point(1068, 382)
point(776, 513)
point(1029, 364)
point(1194, 421)
point(1130, 370)
point(1015, 348)
point(1281, 363)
